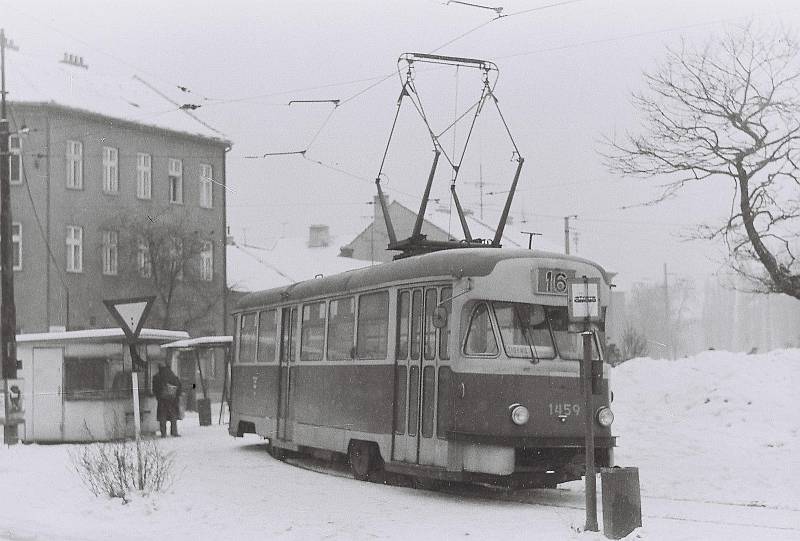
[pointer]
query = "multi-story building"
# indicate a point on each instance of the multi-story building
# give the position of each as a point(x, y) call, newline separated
point(116, 192)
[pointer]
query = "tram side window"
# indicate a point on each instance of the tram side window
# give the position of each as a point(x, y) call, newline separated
point(373, 325)
point(430, 330)
point(403, 305)
point(444, 332)
point(267, 336)
point(312, 333)
point(480, 337)
point(341, 329)
point(416, 324)
point(247, 339)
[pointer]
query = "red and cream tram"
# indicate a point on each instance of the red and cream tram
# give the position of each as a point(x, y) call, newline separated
point(454, 365)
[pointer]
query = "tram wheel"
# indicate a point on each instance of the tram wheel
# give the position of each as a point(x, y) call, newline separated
point(365, 460)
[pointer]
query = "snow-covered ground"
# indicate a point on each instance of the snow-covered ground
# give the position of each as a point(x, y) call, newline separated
point(716, 438)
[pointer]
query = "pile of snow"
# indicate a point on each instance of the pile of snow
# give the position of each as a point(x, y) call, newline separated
point(718, 426)
point(716, 439)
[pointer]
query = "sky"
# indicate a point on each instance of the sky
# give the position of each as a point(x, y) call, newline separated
point(566, 72)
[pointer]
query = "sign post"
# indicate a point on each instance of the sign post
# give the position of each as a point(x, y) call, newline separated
point(131, 314)
point(584, 305)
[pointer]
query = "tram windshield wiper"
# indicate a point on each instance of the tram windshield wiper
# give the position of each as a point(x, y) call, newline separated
point(524, 328)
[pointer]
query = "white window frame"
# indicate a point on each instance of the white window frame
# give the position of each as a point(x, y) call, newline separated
point(175, 181)
point(206, 186)
point(15, 153)
point(74, 248)
point(74, 165)
point(144, 175)
point(143, 261)
point(207, 262)
point(110, 253)
point(16, 244)
point(110, 170)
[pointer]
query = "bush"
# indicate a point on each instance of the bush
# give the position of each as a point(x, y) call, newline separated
point(117, 469)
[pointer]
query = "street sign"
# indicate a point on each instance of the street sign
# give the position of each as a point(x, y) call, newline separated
point(584, 299)
point(130, 313)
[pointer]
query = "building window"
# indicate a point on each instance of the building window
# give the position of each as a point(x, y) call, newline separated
point(110, 252)
point(14, 159)
point(207, 262)
point(74, 248)
point(144, 175)
point(16, 245)
point(75, 165)
point(206, 186)
point(176, 258)
point(175, 181)
point(143, 262)
point(110, 169)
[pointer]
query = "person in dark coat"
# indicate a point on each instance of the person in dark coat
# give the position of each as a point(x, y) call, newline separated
point(167, 389)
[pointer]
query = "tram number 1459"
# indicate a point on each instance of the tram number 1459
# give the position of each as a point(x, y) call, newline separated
point(564, 410)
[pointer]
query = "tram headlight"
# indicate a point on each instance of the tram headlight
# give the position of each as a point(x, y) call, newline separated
point(519, 414)
point(605, 416)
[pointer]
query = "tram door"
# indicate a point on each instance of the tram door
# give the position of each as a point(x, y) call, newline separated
point(415, 384)
point(284, 389)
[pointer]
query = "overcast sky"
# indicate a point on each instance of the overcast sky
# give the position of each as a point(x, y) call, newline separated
point(565, 76)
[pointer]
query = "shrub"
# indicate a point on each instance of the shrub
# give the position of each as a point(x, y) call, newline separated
point(117, 469)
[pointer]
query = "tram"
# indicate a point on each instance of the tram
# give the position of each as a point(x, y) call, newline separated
point(455, 365)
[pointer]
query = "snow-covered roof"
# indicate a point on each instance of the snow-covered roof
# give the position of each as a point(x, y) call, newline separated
point(131, 98)
point(447, 221)
point(102, 335)
point(201, 341)
point(275, 262)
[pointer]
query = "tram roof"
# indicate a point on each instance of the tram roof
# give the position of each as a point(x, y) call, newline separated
point(456, 262)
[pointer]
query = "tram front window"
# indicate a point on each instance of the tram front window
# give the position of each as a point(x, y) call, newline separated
point(525, 330)
point(570, 344)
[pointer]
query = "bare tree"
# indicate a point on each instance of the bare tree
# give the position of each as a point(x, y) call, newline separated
point(633, 344)
point(731, 110)
point(168, 257)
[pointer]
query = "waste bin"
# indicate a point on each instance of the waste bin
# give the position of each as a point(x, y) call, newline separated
point(622, 501)
point(204, 411)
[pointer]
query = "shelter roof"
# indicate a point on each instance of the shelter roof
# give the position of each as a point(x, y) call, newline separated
point(199, 342)
point(102, 335)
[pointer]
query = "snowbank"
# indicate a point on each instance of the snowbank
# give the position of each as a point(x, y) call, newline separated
point(715, 437)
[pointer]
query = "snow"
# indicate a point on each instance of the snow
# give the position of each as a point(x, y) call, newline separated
point(101, 335)
point(276, 262)
point(716, 438)
point(131, 98)
point(208, 341)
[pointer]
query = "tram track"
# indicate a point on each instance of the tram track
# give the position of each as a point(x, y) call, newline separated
point(669, 508)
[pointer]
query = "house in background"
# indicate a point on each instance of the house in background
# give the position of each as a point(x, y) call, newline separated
point(108, 175)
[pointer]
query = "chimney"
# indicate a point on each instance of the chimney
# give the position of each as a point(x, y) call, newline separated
point(318, 236)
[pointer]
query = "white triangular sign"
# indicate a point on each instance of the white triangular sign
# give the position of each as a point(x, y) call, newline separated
point(131, 314)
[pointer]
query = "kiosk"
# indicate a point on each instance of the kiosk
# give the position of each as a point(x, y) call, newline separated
point(77, 384)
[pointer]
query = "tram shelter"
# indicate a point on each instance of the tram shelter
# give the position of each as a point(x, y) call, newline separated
point(186, 356)
point(77, 384)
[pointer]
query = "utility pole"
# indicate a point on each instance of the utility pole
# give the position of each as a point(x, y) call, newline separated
point(8, 312)
point(566, 232)
point(667, 318)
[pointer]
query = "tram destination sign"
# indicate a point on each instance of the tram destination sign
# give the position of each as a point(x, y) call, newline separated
point(584, 299)
point(552, 281)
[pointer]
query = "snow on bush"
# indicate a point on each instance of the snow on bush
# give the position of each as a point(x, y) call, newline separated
point(117, 469)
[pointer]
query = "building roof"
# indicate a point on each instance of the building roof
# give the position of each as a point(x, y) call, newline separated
point(32, 80)
point(277, 262)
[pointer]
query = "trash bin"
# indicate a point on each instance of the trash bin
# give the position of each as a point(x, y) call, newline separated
point(622, 501)
point(204, 411)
